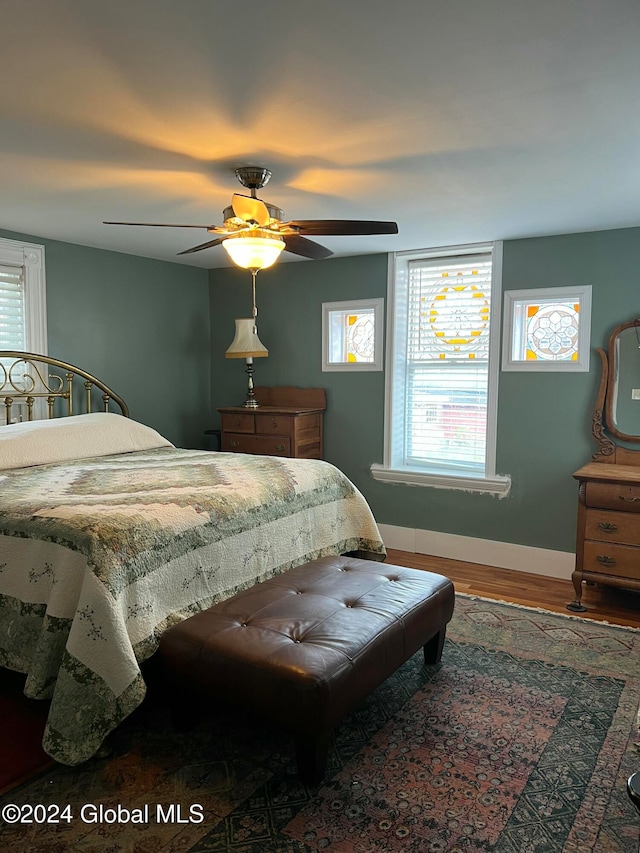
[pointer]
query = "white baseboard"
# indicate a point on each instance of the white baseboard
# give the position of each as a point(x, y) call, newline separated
point(502, 555)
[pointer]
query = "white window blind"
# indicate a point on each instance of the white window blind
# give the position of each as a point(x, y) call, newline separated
point(12, 308)
point(447, 360)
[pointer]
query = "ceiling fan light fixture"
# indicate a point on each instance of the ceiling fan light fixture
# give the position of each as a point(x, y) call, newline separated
point(253, 251)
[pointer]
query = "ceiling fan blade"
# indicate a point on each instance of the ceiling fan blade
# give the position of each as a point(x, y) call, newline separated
point(250, 209)
point(306, 248)
point(202, 246)
point(164, 225)
point(339, 227)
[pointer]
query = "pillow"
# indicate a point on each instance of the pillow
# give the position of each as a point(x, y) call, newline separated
point(77, 437)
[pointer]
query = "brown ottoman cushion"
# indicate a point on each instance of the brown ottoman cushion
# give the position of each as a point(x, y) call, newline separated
point(307, 646)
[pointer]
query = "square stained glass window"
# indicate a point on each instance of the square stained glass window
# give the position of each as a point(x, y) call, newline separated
point(547, 329)
point(352, 335)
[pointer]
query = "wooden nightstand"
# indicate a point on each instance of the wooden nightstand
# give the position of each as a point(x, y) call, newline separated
point(288, 422)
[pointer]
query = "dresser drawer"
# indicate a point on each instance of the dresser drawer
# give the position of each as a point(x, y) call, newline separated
point(613, 496)
point(239, 422)
point(266, 445)
point(608, 526)
point(275, 424)
point(609, 559)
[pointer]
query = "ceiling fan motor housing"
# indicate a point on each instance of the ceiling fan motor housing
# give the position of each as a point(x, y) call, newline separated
point(253, 177)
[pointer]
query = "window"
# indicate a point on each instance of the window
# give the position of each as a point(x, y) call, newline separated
point(547, 329)
point(352, 335)
point(442, 369)
point(23, 324)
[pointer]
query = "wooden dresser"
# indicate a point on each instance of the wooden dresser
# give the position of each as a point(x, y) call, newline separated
point(288, 422)
point(608, 535)
point(608, 540)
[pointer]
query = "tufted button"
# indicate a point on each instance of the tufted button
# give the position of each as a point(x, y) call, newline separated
point(299, 592)
point(243, 625)
point(349, 605)
point(296, 641)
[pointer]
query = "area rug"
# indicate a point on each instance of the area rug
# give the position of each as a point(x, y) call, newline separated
point(520, 741)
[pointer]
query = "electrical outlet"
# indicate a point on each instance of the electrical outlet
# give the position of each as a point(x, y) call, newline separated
point(635, 393)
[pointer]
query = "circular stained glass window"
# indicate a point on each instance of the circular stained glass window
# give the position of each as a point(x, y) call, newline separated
point(458, 318)
point(552, 333)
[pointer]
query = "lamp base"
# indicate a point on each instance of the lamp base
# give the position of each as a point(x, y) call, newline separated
point(250, 402)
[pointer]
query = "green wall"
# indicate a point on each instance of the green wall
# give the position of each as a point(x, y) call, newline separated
point(544, 419)
point(140, 325)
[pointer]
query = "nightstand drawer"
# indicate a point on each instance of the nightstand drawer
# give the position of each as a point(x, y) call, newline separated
point(608, 559)
point(607, 526)
point(238, 422)
point(614, 496)
point(275, 424)
point(270, 445)
point(265, 445)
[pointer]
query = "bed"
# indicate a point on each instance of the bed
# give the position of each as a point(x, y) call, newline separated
point(109, 535)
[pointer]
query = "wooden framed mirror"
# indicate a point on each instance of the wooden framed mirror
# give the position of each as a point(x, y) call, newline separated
point(617, 409)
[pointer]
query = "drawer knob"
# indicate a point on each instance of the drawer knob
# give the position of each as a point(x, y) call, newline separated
point(606, 561)
point(279, 446)
point(234, 443)
point(608, 527)
point(274, 423)
point(629, 500)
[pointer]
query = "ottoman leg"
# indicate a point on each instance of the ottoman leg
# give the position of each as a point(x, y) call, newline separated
point(433, 648)
point(184, 708)
point(311, 756)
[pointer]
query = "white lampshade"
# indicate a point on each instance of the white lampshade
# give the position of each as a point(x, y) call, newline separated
point(246, 343)
point(251, 252)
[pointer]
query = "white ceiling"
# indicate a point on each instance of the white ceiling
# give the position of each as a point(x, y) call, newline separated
point(461, 120)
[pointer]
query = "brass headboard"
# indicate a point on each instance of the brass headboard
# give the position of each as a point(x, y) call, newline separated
point(26, 378)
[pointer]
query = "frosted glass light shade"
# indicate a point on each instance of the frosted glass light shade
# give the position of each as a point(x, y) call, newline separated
point(253, 253)
point(246, 343)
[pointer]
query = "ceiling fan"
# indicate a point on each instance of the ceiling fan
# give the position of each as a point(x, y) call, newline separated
point(254, 232)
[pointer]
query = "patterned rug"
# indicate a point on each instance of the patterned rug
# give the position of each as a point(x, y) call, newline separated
point(520, 741)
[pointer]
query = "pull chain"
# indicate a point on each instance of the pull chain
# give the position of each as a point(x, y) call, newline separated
point(254, 273)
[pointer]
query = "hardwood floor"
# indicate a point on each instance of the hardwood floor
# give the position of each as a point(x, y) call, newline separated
point(605, 604)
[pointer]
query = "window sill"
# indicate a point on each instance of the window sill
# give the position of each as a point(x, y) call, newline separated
point(498, 485)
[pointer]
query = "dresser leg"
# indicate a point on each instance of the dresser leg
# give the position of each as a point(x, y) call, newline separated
point(577, 606)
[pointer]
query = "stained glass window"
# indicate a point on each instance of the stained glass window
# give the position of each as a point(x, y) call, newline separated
point(352, 335)
point(547, 329)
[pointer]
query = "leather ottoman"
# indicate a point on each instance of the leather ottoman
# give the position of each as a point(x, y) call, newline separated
point(307, 646)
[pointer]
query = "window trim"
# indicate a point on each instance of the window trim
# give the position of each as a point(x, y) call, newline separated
point(490, 482)
point(354, 306)
point(581, 293)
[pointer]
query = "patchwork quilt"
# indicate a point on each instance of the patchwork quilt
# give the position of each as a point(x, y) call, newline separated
point(98, 557)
